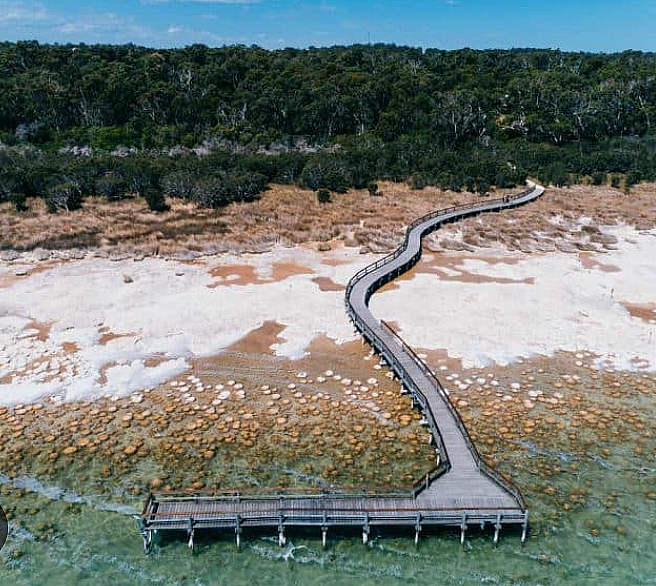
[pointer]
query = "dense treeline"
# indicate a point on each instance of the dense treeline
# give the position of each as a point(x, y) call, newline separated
point(216, 125)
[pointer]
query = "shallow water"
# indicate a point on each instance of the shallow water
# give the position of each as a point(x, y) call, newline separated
point(590, 486)
point(58, 538)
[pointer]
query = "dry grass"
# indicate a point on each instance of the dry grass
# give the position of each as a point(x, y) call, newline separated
point(555, 221)
point(284, 214)
point(291, 216)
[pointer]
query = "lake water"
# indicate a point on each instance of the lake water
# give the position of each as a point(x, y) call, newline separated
point(61, 539)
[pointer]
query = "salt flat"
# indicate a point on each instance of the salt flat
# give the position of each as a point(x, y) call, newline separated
point(555, 301)
point(78, 329)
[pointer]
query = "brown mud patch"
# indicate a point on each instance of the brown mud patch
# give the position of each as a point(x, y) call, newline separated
point(643, 311)
point(284, 269)
point(107, 335)
point(70, 348)
point(43, 330)
point(260, 340)
point(334, 262)
point(248, 275)
point(235, 275)
point(589, 260)
point(24, 272)
point(436, 263)
point(327, 284)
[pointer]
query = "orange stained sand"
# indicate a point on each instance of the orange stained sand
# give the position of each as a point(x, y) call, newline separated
point(327, 284)
point(589, 260)
point(42, 328)
point(108, 336)
point(433, 265)
point(286, 269)
point(643, 311)
point(70, 347)
point(235, 275)
point(247, 274)
point(260, 340)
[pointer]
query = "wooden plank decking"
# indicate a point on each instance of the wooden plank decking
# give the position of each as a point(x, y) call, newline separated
point(461, 491)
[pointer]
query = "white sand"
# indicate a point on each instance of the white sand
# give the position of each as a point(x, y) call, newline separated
point(567, 308)
point(175, 317)
point(164, 314)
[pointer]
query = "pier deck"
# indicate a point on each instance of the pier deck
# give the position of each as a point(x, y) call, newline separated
point(461, 491)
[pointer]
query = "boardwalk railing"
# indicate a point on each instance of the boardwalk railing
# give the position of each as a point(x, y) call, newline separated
point(423, 219)
point(482, 465)
point(418, 395)
point(417, 506)
point(450, 213)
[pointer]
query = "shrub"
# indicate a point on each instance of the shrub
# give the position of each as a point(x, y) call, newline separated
point(598, 178)
point(323, 195)
point(19, 199)
point(246, 187)
point(111, 186)
point(372, 187)
point(178, 184)
point(155, 200)
point(326, 174)
point(219, 191)
point(482, 186)
point(138, 176)
point(419, 181)
point(633, 177)
point(210, 192)
point(35, 132)
point(64, 196)
point(11, 189)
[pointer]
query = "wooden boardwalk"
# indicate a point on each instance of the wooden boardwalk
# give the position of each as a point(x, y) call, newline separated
point(461, 491)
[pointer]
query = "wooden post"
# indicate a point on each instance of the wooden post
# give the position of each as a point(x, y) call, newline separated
point(324, 530)
point(525, 527)
point(463, 528)
point(497, 528)
point(365, 530)
point(146, 535)
point(147, 538)
point(281, 531)
point(417, 529)
point(238, 531)
point(190, 532)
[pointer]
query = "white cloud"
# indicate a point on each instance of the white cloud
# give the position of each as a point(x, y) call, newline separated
point(14, 11)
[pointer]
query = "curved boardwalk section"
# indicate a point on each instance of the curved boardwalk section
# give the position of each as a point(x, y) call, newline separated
point(461, 491)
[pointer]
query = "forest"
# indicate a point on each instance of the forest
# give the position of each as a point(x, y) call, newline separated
point(217, 125)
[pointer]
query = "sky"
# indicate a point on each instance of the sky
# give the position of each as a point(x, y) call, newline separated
point(577, 25)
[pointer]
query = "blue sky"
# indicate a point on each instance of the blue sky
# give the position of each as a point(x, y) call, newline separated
point(590, 25)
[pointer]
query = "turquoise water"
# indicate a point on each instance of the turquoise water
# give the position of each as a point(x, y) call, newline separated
point(611, 539)
point(590, 486)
